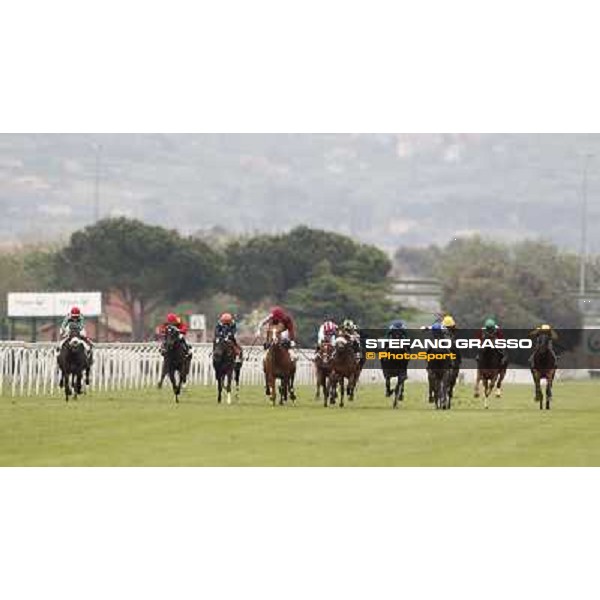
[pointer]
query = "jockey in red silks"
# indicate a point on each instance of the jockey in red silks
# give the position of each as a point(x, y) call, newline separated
point(278, 316)
point(174, 321)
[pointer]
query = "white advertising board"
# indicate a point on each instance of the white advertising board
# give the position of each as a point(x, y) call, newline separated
point(198, 322)
point(54, 304)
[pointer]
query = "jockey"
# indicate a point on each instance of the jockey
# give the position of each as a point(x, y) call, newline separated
point(450, 324)
point(548, 330)
point(397, 329)
point(174, 321)
point(278, 316)
point(227, 326)
point(351, 332)
point(492, 330)
point(327, 333)
point(438, 330)
point(75, 316)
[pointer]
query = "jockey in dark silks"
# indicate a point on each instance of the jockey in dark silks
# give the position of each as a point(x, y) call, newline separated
point(227, 327)
point(397, 330)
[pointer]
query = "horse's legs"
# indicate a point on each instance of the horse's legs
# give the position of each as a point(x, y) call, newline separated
point(333, 383)
point(501, 377)
point(163, 374)
point(78, 383)
point(319, 378)
point(272, 388)
point(397, 390)
point(174, 385)
point(388, 386)
point(219, 388)
point(238, 369)
point(67, 386)
point(539, 394)
point(229, 378)
point(549, 383)
point(477, 392)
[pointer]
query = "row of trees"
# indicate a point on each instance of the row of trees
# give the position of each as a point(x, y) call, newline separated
point(150, 269)
point(522, 284)
point(316, 274)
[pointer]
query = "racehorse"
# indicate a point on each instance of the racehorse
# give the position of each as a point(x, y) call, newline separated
point(439, 375)
point(176, 362)
point(226, 367)
point(322, 362)
point(73, 362)
point(344, 366)
point(491, 370)
point(455, 365)
point(278, 366)
point(395, 369)
point(543, 366)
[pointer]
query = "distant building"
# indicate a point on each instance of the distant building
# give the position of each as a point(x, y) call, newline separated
point(421, 294)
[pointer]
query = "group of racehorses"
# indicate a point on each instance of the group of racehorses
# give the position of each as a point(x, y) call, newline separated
point(338, 368)
point(334, 365)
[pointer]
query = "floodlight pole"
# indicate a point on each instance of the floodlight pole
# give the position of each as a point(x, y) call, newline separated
point(98, 149)
point(584, 225)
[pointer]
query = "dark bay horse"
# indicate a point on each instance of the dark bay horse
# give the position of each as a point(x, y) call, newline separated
point(322, 362)
point(395, 369)
point(279, 366)
point(73, 362)
point(226, 368)
point(543, 363)
point(176, 360)
point(344, 366)
point(491, 371)
point(439, 376)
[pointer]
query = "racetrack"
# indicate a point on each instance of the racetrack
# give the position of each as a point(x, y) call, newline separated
point(145, 428)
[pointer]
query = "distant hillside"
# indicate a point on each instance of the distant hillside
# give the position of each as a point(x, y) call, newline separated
point(390, 189)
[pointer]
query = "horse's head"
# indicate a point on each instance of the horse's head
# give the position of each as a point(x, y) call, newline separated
point(341, 343)
point(543, 342)
point(74, 335)
point(172, 334)
point(274, 334)
point(223, 344)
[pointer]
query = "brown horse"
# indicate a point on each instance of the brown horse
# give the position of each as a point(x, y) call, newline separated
point(543, 366)
point(322, 362)
point(278, 365)
point(491, 371)
point(344, 366)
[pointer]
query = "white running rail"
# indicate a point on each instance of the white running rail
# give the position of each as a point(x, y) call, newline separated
point(30, 369)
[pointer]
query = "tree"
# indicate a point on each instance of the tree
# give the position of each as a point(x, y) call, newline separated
point(524, 285)
point(267, 267)
point(145, 265)
point(328, 296)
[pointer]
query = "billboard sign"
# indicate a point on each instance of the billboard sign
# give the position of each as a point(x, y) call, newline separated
point(198, 322)
point(29, 305)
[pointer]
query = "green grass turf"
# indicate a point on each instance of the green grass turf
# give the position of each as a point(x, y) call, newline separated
point(146, 428)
